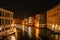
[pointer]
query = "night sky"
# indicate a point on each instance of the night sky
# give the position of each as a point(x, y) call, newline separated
point(25, 8)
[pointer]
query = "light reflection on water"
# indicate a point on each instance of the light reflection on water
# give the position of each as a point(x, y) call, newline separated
point(29, 35)
point(37, 33)
point(23, 29)
point(29, 32)
point(11, 37)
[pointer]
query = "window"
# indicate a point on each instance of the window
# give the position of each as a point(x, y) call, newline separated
point(7, 21)
point(0, 13)
point(11, 15)
point(11, 22)
point(7, 28)
point(1, 29)
point(54, 14)
point(2, 21)
point(7, 15)
point(59, 13)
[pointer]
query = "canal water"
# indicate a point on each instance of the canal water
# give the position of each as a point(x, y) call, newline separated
point(30, 33)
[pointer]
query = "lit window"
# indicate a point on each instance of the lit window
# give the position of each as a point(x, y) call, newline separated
point(52, 26)
point(1, 29)
point(59, 27)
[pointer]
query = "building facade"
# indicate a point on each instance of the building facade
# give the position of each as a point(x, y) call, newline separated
point(39, 20)
point(31, 21)
point(53, 18)
point(6, 18)
point(53, 21)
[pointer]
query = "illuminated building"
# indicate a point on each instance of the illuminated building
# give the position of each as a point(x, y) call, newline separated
point(6, 18)
point(25, 21)
point(53, 18)
point(16, 21)
point(31, 21)
point(53, 21)
point(39, 20)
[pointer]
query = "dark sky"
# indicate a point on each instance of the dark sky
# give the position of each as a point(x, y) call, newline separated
point(22, 8)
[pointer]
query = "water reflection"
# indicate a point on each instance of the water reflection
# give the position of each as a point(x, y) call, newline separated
point(34, 33)
point(11, 37)
point(29, 31)
point(21, 34)
point(37, 33)
point(23, 29)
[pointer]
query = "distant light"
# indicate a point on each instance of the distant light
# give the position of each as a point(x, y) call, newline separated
point(52, 26)
point(56, 26)
point(59, 27)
